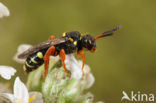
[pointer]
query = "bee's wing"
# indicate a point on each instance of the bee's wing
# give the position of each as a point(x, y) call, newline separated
point(41, 46)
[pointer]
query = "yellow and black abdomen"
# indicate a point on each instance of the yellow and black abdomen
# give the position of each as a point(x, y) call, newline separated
point(34, 61)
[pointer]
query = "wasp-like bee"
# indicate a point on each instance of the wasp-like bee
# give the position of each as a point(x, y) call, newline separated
point(68, 43)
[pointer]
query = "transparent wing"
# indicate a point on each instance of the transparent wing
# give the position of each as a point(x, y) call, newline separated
point(41, 46)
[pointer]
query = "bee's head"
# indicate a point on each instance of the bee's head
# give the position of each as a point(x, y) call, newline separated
point(88, 42)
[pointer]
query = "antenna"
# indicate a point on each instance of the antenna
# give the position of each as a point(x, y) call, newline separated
point(107, 33)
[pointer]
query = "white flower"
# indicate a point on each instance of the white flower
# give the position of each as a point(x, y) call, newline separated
point(90, 80)
point(21, 48)
point(73, 65)
point(54, 59)
point(88, 75)
point(21, 94)
point(76, 70)
point(3, 11)
point(6, 72)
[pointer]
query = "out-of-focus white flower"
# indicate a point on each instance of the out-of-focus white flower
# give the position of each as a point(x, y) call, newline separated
point(21, 94)
point(73, 65)
point(6, 72)
point(21, 49)
point(3, 11)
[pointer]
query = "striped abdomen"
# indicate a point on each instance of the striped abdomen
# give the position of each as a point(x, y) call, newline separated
point(33, 62)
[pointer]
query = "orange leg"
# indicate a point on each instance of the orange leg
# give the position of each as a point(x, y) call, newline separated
point(80, 53)
point(49, 52)
point(52, 37)
point(63, 57)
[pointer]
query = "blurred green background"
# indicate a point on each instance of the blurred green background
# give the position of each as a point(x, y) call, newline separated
point(125, 61)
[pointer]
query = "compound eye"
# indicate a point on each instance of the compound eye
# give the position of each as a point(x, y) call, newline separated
point(89, 44)
point(85, 40)
point(89, 41)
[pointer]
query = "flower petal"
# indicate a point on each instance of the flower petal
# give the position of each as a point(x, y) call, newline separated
point(20, 91)
point(3, 11)
point(90, 80)
point(21, 48)
point(37, 97)
point(88, 75)
point(73, 65)
point(11, 97)
point(86, 67)
point(54, 59)
point(6, 72)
